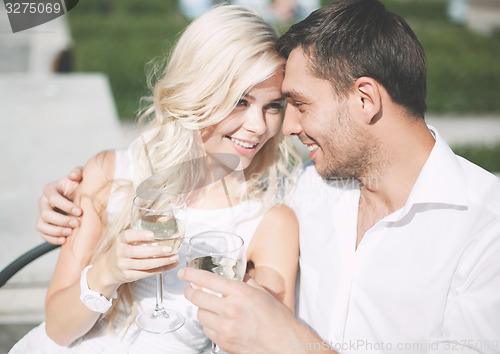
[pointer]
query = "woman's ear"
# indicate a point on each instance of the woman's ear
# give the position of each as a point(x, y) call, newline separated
point(368, 95)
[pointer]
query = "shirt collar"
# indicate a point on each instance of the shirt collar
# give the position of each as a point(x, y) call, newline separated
point(441, 180)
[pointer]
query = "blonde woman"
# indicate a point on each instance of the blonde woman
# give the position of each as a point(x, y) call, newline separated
point(220, 95)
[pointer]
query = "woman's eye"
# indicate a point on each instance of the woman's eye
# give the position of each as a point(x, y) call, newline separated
point(242, 103)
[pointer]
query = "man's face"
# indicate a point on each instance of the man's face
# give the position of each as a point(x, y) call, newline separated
point(338, 145)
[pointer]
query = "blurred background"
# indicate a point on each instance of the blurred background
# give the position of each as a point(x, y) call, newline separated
point(461, 39)
point(72, 87)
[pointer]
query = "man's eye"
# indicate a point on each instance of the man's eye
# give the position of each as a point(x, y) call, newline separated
point(299, 105)
point(275, 108)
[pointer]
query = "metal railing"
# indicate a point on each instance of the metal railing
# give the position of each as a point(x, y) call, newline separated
point(23, 260)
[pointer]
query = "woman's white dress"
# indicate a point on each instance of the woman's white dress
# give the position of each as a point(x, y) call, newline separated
point(189, 338)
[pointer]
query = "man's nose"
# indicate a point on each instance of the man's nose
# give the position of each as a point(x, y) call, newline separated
point(291, 124)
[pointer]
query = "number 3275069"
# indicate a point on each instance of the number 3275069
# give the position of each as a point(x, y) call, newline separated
point(33, 8)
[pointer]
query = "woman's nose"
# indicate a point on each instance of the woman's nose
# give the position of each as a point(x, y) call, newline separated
point(256, 121)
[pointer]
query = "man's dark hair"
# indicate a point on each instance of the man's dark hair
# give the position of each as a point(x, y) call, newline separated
point(349, 39)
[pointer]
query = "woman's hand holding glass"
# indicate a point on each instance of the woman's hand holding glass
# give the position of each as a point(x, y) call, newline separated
point(129, 260)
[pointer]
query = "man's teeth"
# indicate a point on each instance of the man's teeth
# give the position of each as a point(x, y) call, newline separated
point(243, 143)
point(312, 147)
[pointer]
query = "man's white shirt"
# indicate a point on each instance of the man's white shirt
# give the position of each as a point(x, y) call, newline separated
point(425, 278)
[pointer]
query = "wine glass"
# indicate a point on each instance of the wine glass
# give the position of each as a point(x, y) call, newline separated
point(219, 252)
point(164, 214)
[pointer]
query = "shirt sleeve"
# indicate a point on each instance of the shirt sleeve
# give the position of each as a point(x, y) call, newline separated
point(471, 322)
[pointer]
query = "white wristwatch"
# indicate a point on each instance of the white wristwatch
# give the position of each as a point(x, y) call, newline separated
point(92, 299)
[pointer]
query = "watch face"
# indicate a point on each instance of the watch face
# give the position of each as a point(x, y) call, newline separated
point(96, 304)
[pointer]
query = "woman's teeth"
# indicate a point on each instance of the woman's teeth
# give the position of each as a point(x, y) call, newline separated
point(243, 143)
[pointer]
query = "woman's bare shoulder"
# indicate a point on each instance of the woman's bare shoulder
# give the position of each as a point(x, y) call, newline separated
point(97, 176)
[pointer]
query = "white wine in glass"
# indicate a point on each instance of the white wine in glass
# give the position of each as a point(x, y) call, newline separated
point(218, 252)
point(168, 230)
point(164, 214)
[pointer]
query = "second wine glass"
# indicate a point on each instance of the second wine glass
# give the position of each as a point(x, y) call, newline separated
point(218, 252)
point(164, 214)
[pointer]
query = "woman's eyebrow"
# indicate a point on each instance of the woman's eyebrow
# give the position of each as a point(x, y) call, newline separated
point(247, 95)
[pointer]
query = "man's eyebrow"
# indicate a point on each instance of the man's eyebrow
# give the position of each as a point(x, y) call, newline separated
point(293, 94)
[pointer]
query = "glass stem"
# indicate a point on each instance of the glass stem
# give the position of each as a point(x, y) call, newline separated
point(159, 309)
point(215, 348)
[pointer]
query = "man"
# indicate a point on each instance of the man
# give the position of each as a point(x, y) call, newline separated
point(399, 237)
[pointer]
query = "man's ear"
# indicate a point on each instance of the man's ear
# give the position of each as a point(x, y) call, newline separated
point(369, 99)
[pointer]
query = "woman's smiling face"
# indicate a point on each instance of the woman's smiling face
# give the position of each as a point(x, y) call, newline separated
point(256, 118)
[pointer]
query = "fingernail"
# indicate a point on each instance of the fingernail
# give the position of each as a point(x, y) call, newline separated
point(149, 235)
point(67, 232)
point(174, 258)
point(166, 249)
point(76, 211)
point(180, 273)
point(73, 223)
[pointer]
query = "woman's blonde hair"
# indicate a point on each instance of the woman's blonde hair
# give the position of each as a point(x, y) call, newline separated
point(219, 57)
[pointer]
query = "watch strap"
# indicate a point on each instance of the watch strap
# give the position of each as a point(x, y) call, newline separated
point(92, 299)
